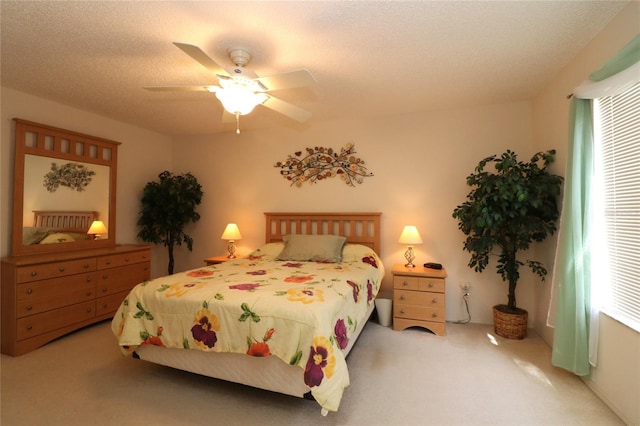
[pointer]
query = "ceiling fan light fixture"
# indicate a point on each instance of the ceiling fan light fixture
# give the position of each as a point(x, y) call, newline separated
point(239, 101)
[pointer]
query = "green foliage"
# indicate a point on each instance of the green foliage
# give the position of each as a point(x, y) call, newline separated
point(508, 210)
point(167, 207)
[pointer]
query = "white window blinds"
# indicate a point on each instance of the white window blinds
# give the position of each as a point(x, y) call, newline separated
point(618, 161)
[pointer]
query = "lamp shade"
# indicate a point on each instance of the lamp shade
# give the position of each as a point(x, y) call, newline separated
point(410, 236)
point(97, 227)
point(239, 100)
point(231, 233)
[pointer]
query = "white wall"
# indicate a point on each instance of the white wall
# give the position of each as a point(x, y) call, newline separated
point(141, 157)
point(419, 163)
point(616, 379)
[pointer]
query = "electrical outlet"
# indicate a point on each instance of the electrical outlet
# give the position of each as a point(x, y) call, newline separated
point(465, 286)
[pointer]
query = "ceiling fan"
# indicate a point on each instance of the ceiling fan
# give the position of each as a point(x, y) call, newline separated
point(240, 89)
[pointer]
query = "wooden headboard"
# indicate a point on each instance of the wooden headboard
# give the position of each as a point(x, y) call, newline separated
point(358, 228)
point(64, 221)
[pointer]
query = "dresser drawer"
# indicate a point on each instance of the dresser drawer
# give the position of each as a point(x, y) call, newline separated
point(35, 325)
point(123, 259)
point(422, 298)
point(40, 296)
point(110, 304)
point(115, 280)
point(424, 313)
point(44, 271)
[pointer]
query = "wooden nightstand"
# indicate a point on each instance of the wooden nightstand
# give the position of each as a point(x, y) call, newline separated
point(214, 260)
point(418, 298)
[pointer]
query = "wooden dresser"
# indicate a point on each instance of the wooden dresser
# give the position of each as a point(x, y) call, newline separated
point(46, 296)
point(418, 298)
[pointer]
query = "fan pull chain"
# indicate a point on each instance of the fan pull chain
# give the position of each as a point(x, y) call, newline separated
point(237, 123)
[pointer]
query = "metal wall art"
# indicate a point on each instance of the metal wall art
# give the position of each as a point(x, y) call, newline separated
point(320, 163)
point(74, 176)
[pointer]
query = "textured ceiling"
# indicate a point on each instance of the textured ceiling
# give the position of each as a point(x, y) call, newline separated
point(370, 58)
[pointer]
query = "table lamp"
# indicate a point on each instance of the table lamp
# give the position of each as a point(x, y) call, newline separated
point(97, 228)
point(411, 237)
point(232, 234)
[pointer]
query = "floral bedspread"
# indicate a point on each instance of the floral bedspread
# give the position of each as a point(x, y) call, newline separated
point(301, 312)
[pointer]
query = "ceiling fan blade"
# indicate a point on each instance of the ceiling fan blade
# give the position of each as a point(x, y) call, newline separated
point(287, 80)
point(181, 88)
point(204, 59)
point(287, 109)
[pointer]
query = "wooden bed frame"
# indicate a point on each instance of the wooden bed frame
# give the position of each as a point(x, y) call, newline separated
point(271, 373)
point(64, 221)
point(358, 228)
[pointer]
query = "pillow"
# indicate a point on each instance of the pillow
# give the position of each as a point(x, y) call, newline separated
point(269, 249)
point(33, 235)
point(315, 248)
point(355, 252)
point(79, 236)
point(57, 238)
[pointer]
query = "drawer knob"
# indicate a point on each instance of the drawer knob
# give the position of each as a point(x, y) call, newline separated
point(402, 297)
point(86, 265)
point(405, 283)
point(34, 273)
point(104, 290)
point(402, 311)
point(88, 294)
point(88, 310)
point(29, 291)
point(62, 269)
point(88, 279)
point(434, 315)
point(104, 306)
point(29, 308)
point(126, 259)
point(29, 327)
point(435, 300)
point(430, 285)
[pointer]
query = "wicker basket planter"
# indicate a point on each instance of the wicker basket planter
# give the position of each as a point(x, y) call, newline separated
point(511, 326)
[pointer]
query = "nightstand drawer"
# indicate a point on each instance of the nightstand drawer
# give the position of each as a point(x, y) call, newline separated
point(405, 297)
point(424, 313)
point(418, 283)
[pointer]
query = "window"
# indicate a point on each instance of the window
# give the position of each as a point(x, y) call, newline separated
point(617, 163)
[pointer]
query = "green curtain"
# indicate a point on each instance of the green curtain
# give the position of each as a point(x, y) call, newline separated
point(573, 258)
point(573, 261)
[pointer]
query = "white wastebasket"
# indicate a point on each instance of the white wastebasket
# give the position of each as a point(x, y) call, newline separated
point(385, 312)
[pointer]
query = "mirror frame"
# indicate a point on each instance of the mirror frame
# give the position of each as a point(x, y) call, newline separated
point(65, 145)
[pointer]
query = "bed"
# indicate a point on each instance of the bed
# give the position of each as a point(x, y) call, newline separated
point(51, 226)
point(270, 320)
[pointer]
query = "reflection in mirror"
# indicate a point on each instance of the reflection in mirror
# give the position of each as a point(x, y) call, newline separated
point(52, 185)
point(63, 181)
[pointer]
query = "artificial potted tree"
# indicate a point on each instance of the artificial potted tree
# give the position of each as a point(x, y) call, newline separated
point(167, 207)
point(507, 210)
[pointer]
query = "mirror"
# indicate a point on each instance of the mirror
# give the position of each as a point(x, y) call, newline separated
point(63, 182)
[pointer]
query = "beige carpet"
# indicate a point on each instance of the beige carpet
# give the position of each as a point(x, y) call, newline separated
point(407, 378)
